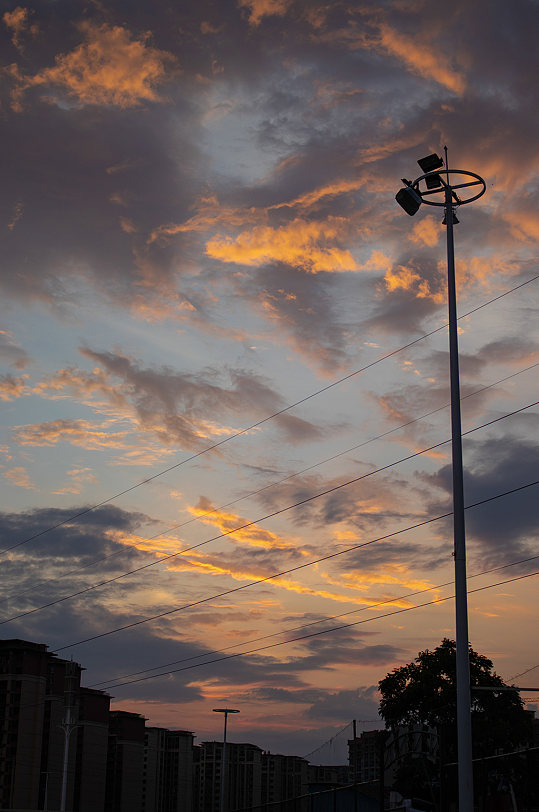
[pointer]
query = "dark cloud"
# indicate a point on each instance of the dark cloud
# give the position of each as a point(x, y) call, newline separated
point(341, 705)
point(504, 530)
point(55, 531)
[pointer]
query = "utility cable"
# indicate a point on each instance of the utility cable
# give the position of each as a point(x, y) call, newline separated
point(287, 572)
point(114, 684)
point(270, 485)
point(323, 631)
point(527, 671)
point(317, 622)
point(258, 520)
point(329, 741)
point(260, 422)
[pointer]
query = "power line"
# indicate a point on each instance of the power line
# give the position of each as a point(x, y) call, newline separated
point(113, 684)
point(321, 620)
point(323, 631)
point(329, 741)
point(256, 521)
point(286, 572)
point(258, 423)
point(271, 484)
point(527, 671)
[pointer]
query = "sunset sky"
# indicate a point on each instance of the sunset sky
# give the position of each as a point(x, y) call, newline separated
point(224, 344)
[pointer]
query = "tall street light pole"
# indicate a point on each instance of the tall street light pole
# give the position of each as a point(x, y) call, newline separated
point(222, 804)
point(410, 197)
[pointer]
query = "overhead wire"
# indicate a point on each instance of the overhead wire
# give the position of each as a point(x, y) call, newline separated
point(260, 422)
point(323, 631)
point(246, 525)
point(202, 516)
point(280, 412)
point(273, 576)
point(329, 741)
point(367, 608)
point(527, 671)
point(113, 682)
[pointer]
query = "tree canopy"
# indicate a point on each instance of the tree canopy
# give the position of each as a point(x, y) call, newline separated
point(424, 692)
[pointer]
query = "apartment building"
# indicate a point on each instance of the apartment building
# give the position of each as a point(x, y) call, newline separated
point(167, 784)
point(243, 776)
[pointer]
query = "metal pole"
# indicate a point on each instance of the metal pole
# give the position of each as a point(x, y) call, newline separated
point(222, 806)
point(464, 722)
point(68, 727)
point(222, 803)
point(70, 680)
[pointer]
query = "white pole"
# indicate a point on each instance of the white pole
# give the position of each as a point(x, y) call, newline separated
point(464, 721)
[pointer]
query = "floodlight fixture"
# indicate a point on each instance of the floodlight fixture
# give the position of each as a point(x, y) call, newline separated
point(409, 199)
point(431, 162)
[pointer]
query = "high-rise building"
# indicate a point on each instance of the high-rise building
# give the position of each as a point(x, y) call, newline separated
point(125, 762)
point(283, 777)
point(167, 784)
point(243, 776)
point(38, 695)
point(365, 756)
point(91, 754)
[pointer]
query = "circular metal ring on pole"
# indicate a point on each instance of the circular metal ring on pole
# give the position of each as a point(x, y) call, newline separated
point(441, 190)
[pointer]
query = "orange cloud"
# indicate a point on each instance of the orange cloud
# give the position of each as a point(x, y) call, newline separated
point(78, 478)
point(108, 68)
point(11, 387)
point(17, 21)
point(426, 231)
point(214, 566)
point(482, 270)
point(390, 574)
point(337, 187)
point(524, 225)
point(404, 278)
point(309, 245)
point(210, 212)
point(253, 536)
point(377, 261)
point(258, 9)
point(209, 564)
point(81, 433)
point(420, 59)
point(19, 476)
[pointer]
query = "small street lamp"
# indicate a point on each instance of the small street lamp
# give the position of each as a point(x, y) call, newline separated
point(225, 711)
point(410, 198)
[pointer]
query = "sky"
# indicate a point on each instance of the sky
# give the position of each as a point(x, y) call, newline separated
point(224, 350)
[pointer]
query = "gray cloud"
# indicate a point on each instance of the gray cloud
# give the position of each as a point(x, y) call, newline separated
point(503, 530)
point(339, 706)
point(177, 402)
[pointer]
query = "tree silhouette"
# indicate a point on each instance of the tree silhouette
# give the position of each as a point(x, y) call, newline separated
point(424, 692)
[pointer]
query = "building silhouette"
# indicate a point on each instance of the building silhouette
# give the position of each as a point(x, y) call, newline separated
point(283, 777)
point(167, 784)
point(243, 779)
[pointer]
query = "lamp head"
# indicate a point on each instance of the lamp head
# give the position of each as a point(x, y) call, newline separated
point(431, 162)
point(408, 199)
